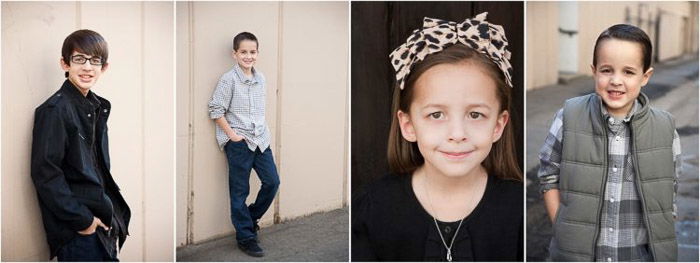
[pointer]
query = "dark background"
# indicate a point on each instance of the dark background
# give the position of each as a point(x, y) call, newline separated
point(377, 29)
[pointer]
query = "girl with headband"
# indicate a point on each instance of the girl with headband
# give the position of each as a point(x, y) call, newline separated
point(457, 193)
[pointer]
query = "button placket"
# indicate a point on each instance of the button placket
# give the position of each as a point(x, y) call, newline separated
point(249, 96)
point(628, 175)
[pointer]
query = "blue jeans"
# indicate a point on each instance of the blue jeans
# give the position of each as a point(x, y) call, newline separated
point(240, 162)
point(86, 248)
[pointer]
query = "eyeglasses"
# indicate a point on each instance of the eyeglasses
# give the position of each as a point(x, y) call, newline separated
point(80, 59)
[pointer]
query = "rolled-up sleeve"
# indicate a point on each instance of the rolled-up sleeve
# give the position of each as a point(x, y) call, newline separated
point(220, 100)
point(550, 155)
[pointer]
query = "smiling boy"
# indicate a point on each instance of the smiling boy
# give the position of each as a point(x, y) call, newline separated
point(83, 212)
point(609, 165)
point(238, 109)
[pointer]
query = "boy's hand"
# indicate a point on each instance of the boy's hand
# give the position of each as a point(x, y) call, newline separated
point(551, 203)
point(96, 222)
point(223, 124)
point(235, 137)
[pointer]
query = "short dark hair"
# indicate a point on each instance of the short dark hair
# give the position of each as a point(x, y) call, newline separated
point(244, 36)
point(84, 41)
point(628, 33)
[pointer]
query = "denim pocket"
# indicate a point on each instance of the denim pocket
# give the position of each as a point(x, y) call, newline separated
point(235, 144)
point(82, 248)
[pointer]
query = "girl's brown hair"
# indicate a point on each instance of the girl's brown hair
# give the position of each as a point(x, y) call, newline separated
point(404, 156)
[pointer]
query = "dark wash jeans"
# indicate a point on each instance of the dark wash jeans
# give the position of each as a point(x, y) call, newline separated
point(87, 249)
point(240, 162)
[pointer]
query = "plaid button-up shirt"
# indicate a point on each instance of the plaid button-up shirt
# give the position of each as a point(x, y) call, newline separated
point(622, 233)
point(242, 101)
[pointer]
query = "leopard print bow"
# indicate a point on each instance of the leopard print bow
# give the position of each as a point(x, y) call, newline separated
point(438, 34)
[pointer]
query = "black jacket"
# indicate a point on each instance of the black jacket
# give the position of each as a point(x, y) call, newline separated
point(70, 168)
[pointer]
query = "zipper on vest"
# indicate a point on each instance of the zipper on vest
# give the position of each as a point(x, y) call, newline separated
point(601, 199)
point(641, 194)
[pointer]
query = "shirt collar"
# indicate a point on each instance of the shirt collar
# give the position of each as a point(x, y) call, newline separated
point(242, 77)
point(72, 91)
point(611, 119)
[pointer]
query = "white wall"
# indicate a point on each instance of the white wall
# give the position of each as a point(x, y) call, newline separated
point(542, 43)
point(306, 71)
point(139, 83)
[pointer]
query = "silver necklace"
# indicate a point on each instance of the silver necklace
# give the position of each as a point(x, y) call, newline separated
point(442, 238)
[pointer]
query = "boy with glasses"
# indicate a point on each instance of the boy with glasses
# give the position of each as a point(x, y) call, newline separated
point(83, 212)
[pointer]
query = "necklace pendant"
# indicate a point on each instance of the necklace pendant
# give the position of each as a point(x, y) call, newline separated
point(449, 255)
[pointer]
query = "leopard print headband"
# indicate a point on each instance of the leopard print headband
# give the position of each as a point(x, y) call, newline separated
point(438, 34)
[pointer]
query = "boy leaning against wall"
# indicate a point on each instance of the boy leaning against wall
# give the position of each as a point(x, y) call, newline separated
point(83, 212)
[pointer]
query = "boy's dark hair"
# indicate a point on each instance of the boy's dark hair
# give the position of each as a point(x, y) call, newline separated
point(244, 36)
point(628, 33)
point(404, 157)
point(84, 41)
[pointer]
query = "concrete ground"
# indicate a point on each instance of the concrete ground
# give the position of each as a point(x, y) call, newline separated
point(318, 237)
point(674, 88)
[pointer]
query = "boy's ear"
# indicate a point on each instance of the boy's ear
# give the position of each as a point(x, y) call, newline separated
point(647, 75)
point(592, 69)
point(407, 130)
point(105, 66)
point(501, 123)
point(63, 64)
point(233, 54)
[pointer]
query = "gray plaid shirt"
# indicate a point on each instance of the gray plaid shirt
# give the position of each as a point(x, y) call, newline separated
point(622, 234)
point(242, 101)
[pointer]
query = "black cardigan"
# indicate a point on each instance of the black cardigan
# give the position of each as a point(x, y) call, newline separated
point(389, 224)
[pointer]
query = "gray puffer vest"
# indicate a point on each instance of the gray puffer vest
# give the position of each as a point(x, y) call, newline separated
point(584, 172)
